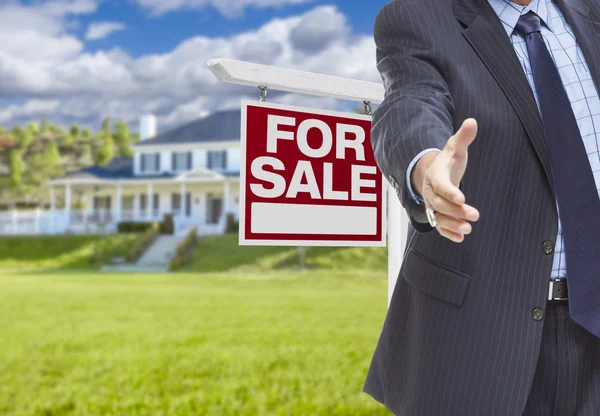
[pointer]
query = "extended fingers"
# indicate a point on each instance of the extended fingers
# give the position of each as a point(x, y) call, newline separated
point(444, 206)
point(453, 225)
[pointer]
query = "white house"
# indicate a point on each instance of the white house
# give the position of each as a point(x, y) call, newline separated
point(191, 171)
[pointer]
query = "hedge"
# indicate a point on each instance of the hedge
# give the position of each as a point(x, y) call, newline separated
point(127, 227)
point(184, 249)
point(142, 244)
point(233, 226)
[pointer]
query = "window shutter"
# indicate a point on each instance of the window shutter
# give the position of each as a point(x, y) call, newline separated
point(156, 202)
point(157, 155)
point(189, 161)
point(143, 162)
point(224, 159)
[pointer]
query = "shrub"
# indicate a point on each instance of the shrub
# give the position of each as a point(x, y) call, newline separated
point(184, 249)
point(233, 226)
point(143, 243)
point(127, 227)
point(167, 226)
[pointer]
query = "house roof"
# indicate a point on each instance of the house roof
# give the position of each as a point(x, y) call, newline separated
point(217, 127)
point(120, 168)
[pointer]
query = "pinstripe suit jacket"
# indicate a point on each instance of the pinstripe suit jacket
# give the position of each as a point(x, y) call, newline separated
point(459, 337)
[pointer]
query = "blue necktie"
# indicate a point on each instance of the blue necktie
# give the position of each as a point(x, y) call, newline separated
point(575, 188)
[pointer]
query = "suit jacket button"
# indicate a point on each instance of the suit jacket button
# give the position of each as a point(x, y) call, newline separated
point(538, 314)
point(548, 247)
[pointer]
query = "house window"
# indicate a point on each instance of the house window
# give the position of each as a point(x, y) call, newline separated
point(217, 159)
point(144, 204)
point(102, 203)
point(182, 161)
point(176, 204)
point(150, 162)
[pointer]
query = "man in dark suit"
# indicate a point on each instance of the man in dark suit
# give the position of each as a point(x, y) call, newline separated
point(496, 310)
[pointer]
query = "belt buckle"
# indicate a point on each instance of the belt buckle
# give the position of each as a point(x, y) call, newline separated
point(551, 290)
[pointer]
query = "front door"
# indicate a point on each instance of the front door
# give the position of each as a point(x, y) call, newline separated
point(214, 209)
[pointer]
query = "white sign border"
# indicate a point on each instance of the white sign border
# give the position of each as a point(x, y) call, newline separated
point(242, 199)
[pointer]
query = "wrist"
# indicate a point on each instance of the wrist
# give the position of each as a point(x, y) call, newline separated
point(418, 173)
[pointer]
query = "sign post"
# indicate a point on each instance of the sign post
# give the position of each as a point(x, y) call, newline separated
point(302, 82)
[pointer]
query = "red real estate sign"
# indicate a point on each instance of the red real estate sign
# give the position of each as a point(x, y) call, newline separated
point(308, 178)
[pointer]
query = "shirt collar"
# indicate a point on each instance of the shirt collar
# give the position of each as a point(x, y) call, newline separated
point(509, 12)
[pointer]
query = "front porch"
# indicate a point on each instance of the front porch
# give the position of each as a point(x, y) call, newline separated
point(98, 207)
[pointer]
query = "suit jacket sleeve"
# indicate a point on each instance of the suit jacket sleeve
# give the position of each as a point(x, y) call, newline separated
point(416, 113)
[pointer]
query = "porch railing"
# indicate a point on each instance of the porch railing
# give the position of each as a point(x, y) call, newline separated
point(40, 222)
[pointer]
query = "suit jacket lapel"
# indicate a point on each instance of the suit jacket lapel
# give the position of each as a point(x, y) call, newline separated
point(584, 20)
point(484, 31)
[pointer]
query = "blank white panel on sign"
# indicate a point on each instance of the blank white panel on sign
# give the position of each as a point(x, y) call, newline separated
point(313, 219)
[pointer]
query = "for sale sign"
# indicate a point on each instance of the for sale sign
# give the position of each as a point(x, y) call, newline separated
point(308, 178)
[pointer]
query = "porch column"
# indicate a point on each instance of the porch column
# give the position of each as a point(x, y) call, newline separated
point(119, 203)
point(182, 205)
point(149, 201)
point(68, 202)
point(226, 199)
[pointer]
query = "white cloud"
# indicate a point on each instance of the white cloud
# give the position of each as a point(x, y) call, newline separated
point(229, 8)
point(100, 30)
point(176, 86)
point(37, 32)
point(31, 109)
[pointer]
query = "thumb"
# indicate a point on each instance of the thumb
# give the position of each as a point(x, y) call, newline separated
point(463, 138)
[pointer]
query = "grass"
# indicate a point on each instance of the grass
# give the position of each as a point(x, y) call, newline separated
point(212, 254)
point(62, 252)
point(265, 343)
point(222, 253)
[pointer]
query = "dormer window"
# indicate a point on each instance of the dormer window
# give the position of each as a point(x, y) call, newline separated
point(217, 159)
point(150, 163)
point(182, 161)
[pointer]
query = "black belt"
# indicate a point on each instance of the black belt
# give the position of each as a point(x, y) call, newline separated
point(558, 290)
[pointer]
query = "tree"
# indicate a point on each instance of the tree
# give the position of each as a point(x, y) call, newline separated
point(33, 128)
point(106, 125)
point(52, 163)
point(87, 135)
point(7, 142)
point(122, 139)
point(85, 155)
point(44, 126)
point(37, 174)
point(106, 151)
point(68, 141)
point(17, 167)
point(24, 137)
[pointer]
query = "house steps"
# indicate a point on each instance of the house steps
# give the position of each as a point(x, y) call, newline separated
point(156, 259)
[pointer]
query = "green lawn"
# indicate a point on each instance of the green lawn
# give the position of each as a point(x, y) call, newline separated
point(62, 252)
point(223, 253)
point(237, 343)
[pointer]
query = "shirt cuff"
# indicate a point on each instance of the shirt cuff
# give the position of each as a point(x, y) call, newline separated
point(414, 196)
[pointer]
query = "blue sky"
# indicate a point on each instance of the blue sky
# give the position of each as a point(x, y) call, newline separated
point(78, 61)
point(158, 34)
